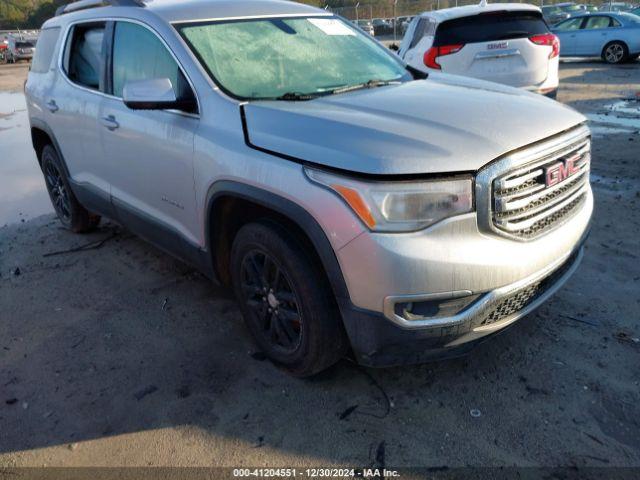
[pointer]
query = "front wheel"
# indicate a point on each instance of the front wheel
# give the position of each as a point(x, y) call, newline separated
point(286, 300)
point(70, 213)
point(615, 52)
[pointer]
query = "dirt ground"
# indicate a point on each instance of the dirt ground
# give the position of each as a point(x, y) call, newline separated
point(118, 355)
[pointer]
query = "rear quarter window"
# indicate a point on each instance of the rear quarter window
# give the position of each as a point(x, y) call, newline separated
point(45, 47)
point(489, 27)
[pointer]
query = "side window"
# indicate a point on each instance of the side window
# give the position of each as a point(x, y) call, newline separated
point(421, 28)
point(85, 55)
point(573, 24)
point(431, 29)
point(616, 23)
point(44, 50)
point(149, 59)
point(597, 22)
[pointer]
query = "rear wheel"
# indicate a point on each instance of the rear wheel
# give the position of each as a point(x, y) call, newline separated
point(72, 215)
point(285, 300)
point(615, 52)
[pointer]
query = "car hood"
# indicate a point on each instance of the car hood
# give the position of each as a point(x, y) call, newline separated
point(443, 124)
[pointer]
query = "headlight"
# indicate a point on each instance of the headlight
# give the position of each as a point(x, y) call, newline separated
point(400, 206)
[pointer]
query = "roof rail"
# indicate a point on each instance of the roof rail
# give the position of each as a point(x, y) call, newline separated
point(86, 4)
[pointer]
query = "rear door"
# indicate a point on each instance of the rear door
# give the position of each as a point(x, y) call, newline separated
point(495, 46)
point(72, 105)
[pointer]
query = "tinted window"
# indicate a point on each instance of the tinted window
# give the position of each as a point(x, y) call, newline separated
point(86, 55)
point(138, 54)
point(597, 22)
point(25, 44)
point(488, 27)
point(573, 24)
point(425, 28)
point(44, 50)
point(421, 28)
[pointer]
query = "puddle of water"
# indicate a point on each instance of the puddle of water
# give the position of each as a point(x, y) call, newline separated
point(23, 194)
point(619, 117)
point(627, 107)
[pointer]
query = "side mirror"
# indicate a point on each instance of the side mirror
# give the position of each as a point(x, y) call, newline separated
point(394, 47)
point(152, 94)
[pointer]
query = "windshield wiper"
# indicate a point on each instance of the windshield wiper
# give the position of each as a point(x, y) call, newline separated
point(369, 84)
point(298, 96)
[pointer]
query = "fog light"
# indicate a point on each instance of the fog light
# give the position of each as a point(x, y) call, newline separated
point(433, 309)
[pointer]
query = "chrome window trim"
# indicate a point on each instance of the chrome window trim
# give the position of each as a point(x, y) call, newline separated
point(525, 158)
point(63, 48)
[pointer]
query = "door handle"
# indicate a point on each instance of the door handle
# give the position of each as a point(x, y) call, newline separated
point(110, 122)
point(52, 106)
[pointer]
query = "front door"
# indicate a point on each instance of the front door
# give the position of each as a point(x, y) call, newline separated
point(566, 32)
point(149, 152)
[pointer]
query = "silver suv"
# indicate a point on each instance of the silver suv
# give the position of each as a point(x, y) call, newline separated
point(355, 205)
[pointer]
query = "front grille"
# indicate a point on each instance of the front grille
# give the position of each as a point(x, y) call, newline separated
point(534, 198)
point(522, 298)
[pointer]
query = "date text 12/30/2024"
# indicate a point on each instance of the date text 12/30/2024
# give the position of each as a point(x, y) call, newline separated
point(316, 472)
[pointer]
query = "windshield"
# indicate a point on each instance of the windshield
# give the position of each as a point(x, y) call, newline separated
point(271, 58)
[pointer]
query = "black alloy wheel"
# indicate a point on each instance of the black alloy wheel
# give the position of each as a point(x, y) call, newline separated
point(58, 192)
point(269, 295)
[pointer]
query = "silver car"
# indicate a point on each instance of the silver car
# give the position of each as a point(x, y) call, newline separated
point(355, 205)
point(20, 48)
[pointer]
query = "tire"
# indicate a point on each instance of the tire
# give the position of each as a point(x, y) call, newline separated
point(69, 211)
point(615, 53)
point(286, 300)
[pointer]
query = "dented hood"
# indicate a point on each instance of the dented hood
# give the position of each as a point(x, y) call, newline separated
point(442, 124)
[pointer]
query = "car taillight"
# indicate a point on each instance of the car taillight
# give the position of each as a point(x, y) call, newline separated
point(431, 55)
point(548, 39)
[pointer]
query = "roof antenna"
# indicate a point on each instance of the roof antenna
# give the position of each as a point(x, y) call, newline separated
point(483, 3)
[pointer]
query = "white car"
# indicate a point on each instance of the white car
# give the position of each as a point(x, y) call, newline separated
point(508, 43)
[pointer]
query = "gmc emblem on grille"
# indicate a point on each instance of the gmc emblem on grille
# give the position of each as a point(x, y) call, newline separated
point(559, 171)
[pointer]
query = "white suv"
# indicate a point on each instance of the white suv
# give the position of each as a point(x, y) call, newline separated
point(352, 204)
point(502, 42)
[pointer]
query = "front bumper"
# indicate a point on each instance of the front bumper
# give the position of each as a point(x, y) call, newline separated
point(377, 342)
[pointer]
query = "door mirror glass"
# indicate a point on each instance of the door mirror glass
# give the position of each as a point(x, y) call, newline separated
point(151, 94)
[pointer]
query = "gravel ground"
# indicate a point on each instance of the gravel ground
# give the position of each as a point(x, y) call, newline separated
point(117, 355)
